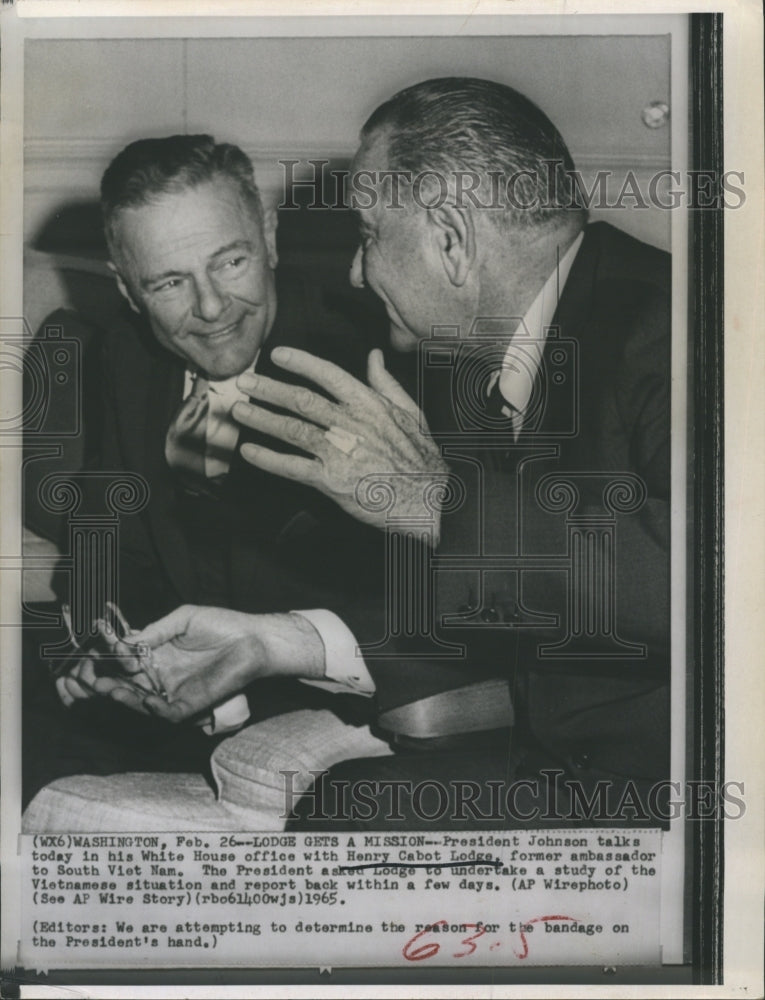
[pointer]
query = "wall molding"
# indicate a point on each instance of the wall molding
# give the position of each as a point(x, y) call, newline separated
point(60, 164)
point(57, 171)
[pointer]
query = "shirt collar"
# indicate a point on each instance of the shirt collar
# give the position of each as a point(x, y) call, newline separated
point(540, 314)
point(225, 389)
point(523, 357)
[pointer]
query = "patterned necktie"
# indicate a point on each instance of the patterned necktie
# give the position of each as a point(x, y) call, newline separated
point(186, 441)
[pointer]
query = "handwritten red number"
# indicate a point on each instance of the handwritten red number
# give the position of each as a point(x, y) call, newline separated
point(424, 950)
point(535, 920)
point(431, 948)
point(469, 941)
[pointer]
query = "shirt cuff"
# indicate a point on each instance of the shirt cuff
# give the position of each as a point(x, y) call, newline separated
point(228, 716)
point(345, 670)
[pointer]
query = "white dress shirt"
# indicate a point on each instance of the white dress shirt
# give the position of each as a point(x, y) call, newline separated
point(222, 431)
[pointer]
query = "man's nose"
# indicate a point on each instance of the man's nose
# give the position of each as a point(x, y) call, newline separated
point(357, 268)
point(209, 301)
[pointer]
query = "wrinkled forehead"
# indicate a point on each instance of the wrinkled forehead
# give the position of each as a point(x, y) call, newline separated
point(208, 207)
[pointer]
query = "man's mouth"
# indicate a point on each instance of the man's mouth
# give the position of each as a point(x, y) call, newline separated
point(221, 333)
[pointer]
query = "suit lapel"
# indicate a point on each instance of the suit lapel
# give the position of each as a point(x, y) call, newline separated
point(576, 297)
point(507, 489)
point(558, 378)
point(262, 507)
point(243, 479)
point(164, 392)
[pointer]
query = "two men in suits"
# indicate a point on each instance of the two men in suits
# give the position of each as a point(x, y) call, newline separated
point(544, 644)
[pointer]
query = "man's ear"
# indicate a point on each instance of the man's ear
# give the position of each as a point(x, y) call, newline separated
point(124, 290)
point(455, 239)
point(270, 221)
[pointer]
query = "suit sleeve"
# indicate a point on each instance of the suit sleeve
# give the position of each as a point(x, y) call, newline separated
point(144, 593)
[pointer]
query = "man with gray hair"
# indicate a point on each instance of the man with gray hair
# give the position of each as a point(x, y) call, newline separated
point(534, 639)
point(194, 255)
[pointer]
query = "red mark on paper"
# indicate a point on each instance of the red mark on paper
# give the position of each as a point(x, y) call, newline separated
point(534, 920)
point(422, 951)
point(469, 941)
point(414, 952)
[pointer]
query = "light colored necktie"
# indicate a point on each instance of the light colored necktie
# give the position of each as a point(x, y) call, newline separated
point(510, 389)
point(500, 396)
point(186, 441)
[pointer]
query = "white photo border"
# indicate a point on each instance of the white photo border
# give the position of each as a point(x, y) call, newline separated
point(728, 948)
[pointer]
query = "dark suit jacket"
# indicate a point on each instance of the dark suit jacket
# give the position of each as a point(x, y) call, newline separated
point(604, 704)
point(284, 545)
point(281, 546)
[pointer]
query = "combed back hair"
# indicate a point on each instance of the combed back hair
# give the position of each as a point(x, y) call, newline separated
point(149, 168)
point(462, 124)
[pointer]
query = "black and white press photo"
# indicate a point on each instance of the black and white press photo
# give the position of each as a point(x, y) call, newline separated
point(363, 581)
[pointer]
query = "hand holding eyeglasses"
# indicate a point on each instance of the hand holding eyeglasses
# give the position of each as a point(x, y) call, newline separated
point(109, 663)
point(203, 656)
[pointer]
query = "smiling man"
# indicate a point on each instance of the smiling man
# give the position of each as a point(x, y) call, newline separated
point(197, 258)
point(194, 254)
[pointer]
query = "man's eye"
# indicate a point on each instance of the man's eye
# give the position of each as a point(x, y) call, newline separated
point(234, 263)
point(167, 286)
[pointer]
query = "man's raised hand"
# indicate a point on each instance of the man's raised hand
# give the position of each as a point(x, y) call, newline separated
point(374, 430)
